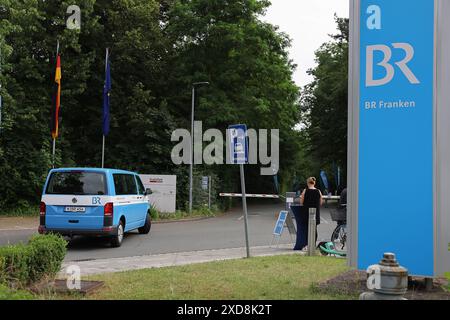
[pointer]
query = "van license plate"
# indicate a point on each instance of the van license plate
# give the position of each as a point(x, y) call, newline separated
point(75, 209)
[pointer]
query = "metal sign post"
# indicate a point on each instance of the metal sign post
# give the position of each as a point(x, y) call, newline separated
point(244, 206)
point(209, 192)
point(312, 232)
point(239, 155)
point(206, 187)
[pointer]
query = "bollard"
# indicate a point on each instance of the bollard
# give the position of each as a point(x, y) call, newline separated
point(390, 280)
point(312, 232)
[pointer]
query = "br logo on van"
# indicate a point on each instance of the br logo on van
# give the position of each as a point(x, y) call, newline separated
point(374, 22)
point(96, 201)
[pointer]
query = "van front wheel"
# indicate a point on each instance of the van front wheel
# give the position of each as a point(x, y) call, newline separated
point(147, 226)
point(117, 239)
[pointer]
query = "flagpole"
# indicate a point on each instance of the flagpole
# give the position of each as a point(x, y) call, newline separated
point(104, 137)
point(53, 153)
point(103, 152)
point(54, 139)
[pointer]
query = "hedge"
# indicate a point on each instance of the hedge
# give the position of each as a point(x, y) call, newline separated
point(41, 258)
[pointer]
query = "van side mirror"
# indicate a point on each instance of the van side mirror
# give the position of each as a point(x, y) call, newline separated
point(148, 191)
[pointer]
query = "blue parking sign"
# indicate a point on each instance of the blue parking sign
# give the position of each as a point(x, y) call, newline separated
point(238, 144)
point(279, 226)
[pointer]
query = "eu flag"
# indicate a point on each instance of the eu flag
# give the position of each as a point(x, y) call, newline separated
point(106, 95)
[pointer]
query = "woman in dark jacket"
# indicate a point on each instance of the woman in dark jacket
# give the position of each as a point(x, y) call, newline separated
point(312, 198)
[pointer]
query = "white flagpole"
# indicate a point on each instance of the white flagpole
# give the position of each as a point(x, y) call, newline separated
point(53, 153)
point(104, 137)
point(54, 139)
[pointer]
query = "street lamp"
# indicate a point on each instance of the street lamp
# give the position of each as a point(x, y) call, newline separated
point(194, 86)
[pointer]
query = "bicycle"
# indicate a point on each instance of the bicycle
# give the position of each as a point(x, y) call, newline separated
point(337, 245)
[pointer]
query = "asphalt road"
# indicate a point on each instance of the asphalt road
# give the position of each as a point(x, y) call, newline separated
point(222, 232)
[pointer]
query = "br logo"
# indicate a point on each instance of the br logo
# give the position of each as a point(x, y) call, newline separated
point(374, 22)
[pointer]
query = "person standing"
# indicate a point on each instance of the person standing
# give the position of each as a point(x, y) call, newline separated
point(312, 198)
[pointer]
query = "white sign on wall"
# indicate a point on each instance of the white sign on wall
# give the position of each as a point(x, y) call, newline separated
point(164, 191)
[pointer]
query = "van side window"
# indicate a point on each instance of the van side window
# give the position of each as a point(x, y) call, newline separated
point(141, 189)
point(124, 184)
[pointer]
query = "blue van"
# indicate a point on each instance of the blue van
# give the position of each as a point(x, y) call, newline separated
point(100, 202)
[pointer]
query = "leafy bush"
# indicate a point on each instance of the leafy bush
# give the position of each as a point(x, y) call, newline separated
point(46, 255)
point(15, 264)
point(154, 213)
point(21, 265)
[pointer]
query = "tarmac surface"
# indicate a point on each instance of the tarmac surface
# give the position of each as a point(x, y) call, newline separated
point(222, 232)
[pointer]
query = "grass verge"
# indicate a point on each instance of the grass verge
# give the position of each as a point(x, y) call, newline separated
point(9, 294)
point(180, 215)
point(289, 277)
point(31, 211)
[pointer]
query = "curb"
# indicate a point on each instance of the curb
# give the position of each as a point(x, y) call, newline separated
point(113, 265)
point(182, 220)
point(20, 229)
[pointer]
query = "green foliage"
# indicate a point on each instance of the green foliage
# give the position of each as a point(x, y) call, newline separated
point(154, 213)
point(47, 253)
point(158, 49)
point(324, 105)
point(21, 264)
point(7, 293)
point(16, 260)
point(2, 269)
point(200, 212)
point(22, 210)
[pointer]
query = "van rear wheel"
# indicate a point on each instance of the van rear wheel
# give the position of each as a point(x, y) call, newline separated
point(117, 239)
point(147, 226)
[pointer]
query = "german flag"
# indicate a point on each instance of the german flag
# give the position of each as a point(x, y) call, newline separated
point(56, 99)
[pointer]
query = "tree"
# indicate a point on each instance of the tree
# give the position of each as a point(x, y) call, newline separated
point(246, 62)
point(158, 49)
point(324, 103)
point(29, 29)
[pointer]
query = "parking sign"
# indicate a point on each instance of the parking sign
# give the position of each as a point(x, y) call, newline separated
point(238, 144)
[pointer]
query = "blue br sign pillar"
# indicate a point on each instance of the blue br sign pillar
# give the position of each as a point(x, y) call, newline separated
point(396, 159)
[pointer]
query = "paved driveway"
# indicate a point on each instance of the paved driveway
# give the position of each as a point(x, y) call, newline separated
point(222, 232)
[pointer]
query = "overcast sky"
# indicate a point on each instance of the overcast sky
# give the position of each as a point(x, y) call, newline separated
point(308, 23)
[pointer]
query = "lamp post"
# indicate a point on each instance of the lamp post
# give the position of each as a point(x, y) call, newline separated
point(191, 168)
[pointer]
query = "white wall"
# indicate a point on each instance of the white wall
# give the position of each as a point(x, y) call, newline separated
point(164, 191)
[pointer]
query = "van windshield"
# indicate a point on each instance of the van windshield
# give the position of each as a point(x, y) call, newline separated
point(77, 183)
